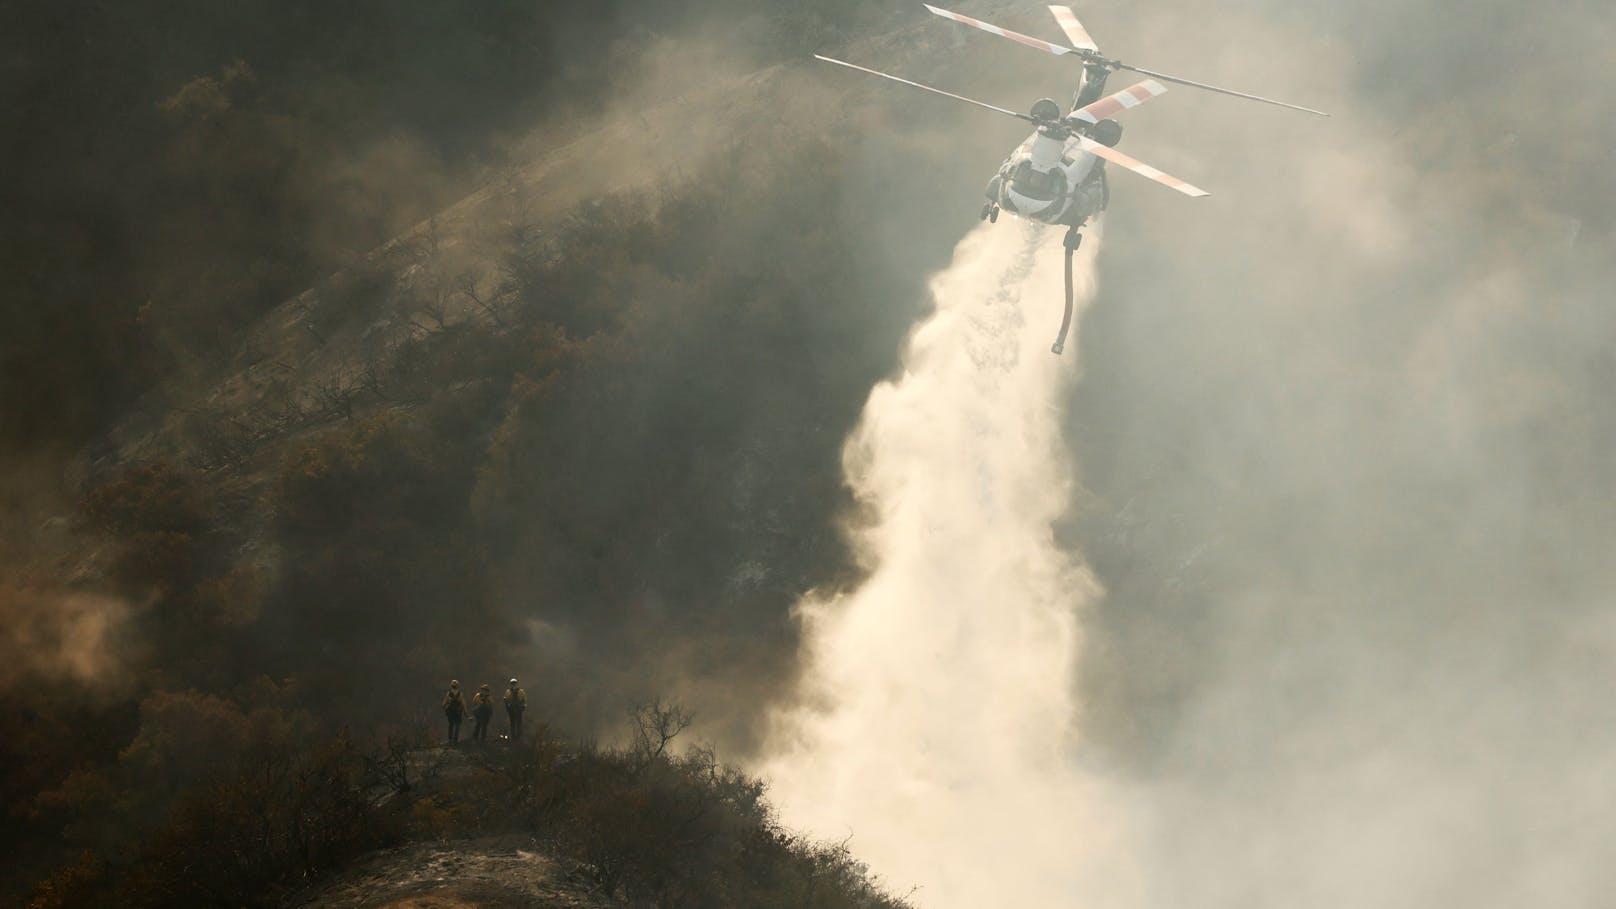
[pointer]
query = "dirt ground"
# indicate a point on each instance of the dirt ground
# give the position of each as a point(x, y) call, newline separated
point(503, 872)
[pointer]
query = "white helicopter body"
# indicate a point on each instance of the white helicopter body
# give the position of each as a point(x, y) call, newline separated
point(1047, 178)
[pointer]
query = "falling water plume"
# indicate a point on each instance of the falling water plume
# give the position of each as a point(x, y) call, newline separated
point(937, 716)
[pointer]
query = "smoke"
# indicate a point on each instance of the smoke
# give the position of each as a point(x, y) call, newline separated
point(1344, 427)
point(937, 721)
point(52, 628)
point(1345, 436)
point(1344, 430)
point(61, 636)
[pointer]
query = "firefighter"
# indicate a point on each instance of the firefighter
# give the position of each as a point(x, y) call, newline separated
point(515, 703)
point(482, 708)
point(454, 708)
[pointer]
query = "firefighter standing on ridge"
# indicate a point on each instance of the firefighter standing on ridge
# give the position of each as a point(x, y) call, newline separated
point(454, 708)
point(515, 703)
point(482, 707)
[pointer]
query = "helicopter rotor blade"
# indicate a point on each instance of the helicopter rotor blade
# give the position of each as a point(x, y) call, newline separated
point(1117, 102)
point(1028, 40)
point(1139, 167)
point(1213, 88)
point(1003, 110)
point(1086, 51)
point(1075, 32)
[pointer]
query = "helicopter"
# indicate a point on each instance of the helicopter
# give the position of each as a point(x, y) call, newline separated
point(1057, 176)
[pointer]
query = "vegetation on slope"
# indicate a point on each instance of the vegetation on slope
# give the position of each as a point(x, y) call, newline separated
point(613, 480)
point(261, 817)
point(170, 173)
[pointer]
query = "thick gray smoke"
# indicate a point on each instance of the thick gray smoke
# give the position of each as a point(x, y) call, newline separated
point(1344, 434)
point(1339, 458)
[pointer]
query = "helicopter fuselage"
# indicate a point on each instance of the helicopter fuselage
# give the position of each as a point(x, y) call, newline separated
point(1050, 178)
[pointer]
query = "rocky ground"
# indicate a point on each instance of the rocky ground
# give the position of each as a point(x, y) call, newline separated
point(500, 872)
point(489, 872)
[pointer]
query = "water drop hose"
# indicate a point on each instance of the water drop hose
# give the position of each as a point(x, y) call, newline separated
point(1073, 241)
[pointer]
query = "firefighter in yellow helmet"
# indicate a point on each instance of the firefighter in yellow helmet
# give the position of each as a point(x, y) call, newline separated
point(515, 704)
point(454, 709)
point(482, 708)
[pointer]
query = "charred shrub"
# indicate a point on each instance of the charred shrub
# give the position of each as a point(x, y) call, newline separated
point(287, 816)
point(213, 805)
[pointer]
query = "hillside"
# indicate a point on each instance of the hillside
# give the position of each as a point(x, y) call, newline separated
point(265, 819)
point(310, 361)
point(597, 403)
point(582, 424)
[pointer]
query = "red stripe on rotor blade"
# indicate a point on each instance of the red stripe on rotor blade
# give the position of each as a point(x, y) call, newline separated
point(1117, 102)
point(1140, 167)
point(1028, 40)
point(1101, 109)
point(1074, 29)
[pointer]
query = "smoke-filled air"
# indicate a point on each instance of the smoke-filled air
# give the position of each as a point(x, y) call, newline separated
point(696, 397)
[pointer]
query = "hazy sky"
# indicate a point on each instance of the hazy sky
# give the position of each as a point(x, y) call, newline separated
point(1346, 429)
point(1343, 431)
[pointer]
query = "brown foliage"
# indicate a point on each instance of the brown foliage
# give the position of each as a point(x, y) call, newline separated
point(148, 498)
point(253, 805)
point(158, 515)
point(213, 804)
point(82, 882)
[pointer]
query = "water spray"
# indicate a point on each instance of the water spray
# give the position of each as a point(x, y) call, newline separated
point(937, 721)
